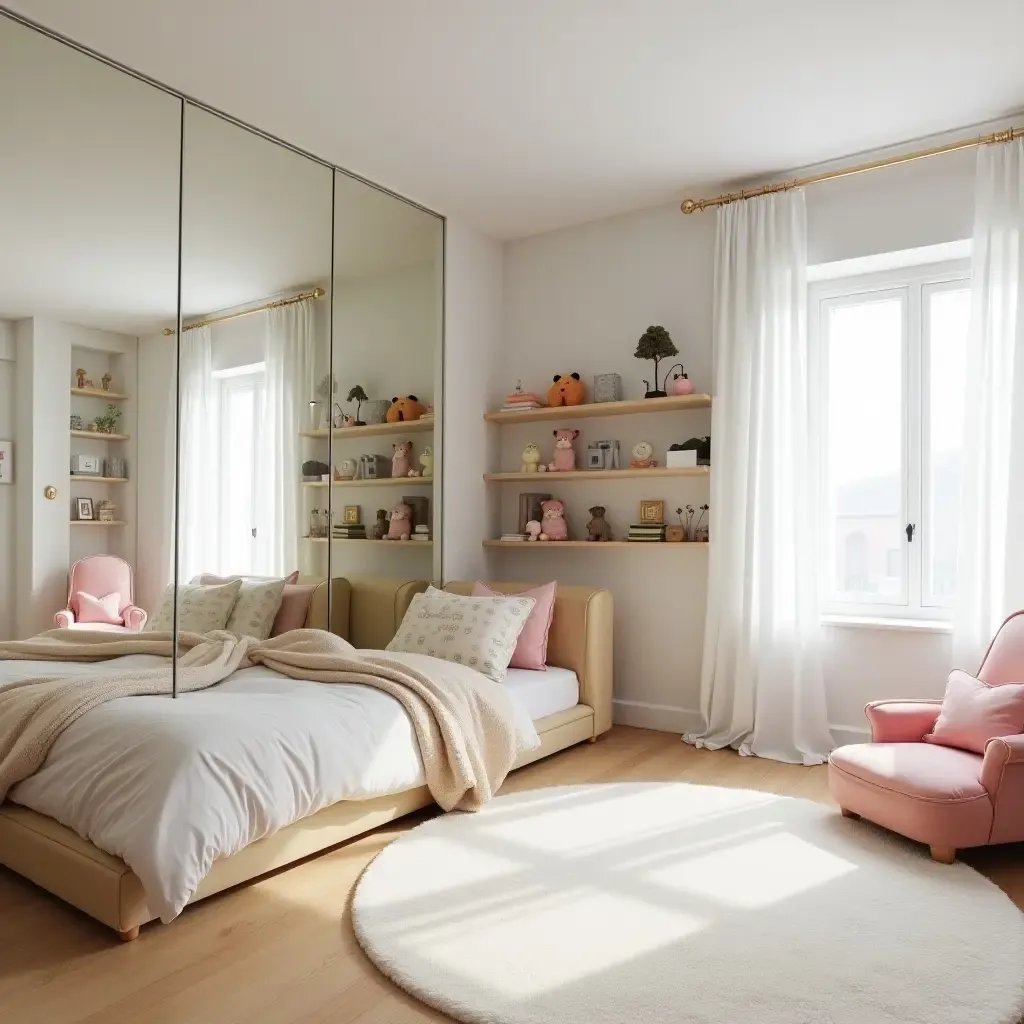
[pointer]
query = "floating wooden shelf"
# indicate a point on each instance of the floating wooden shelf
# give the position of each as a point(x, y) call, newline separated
point(96, 435)
point(594, 545)
point(96, 522)
point(387, 481)
point(78, 478)
point(110, 396)
point(673, 403)
point(597, 474)
point(397, 544)
point(374, 429)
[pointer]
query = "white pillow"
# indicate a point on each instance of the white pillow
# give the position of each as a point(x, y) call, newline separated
point(256, 608)
point(480, 632)
point(200, 609)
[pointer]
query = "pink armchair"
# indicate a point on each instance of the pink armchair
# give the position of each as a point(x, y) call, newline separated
point(948, 798)
point(101, 575)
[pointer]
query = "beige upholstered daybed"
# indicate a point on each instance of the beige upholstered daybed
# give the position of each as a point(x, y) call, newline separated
point(366, 611)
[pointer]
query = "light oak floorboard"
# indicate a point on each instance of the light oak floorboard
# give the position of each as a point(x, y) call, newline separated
point(282, 951)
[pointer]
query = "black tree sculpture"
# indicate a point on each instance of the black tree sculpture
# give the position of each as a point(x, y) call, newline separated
point(358, 395)
point(655, 343)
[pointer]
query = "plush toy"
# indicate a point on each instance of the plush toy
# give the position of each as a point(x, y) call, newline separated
point(598, 528)
point(567, 390)
point(401, 523)
point(379, 530)
point(405, 410)
point(553, 521)
point(401, 461)
point(642, 452)
point(532, 530)
point(531, 460)
point(564, 459)
point(427, 463)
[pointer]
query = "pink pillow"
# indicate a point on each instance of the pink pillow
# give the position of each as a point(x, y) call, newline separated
point(532, 646)
point(974, 713)
point(208, 579)
point(294, 608)
point(97, 609)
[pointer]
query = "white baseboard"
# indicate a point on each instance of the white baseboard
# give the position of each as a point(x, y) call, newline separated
point(661, 717)
point(843, 734)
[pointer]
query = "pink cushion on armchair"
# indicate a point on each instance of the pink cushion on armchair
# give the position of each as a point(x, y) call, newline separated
point(88, 608)
point(973, 712)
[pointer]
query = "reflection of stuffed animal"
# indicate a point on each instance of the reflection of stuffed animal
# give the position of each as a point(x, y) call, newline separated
point(532, 530)
point(531, 460)
point(553, 521)
point(401, 461)
point(642, 452)
point(379, 529)
point(427, 463)
point(564, 459)
point(567, 390)
point(598, 528)
point(401, 523)
point(405, 410)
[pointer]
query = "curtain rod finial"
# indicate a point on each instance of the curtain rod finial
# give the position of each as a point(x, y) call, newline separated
point(688, 206)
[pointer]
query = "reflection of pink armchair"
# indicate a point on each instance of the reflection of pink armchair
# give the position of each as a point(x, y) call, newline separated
point(941, 796)
point(101, 575)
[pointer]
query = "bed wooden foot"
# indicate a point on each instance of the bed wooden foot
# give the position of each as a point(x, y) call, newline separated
point(847, 813)
point(129, 936)
point(591, 739)
point(943, 854)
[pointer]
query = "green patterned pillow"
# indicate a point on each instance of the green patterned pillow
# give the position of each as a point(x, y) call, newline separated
point(200, 609)
point(256, 608)
point(480, 632)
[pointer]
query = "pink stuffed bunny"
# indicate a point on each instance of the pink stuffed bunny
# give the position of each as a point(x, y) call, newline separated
point(401, 461)
point(553, 521)
point(564, 459)
point(401, 523)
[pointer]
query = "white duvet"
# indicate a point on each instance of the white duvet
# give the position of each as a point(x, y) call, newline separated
point(170, 786)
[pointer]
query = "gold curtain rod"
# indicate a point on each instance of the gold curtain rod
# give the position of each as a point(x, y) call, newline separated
point(316, 293)
point(693, 205)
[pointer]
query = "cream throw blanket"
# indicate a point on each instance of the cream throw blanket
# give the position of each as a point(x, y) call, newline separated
point(463, 723)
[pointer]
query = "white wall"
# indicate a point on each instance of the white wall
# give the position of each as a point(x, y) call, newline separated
point(7, 493)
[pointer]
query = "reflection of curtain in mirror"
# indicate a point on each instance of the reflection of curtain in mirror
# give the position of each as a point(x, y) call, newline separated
point(289, 387)
point(199, 463)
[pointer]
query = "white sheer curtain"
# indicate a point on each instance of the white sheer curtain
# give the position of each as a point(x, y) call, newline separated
point(761, 683)
point(289, 356)
point(199, 460)
point(990, 562)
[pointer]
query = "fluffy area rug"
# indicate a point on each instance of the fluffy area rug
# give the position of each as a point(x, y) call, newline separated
point(678, 903)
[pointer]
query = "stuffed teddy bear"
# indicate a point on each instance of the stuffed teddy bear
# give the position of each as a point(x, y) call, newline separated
point(427, 462)
point(564, 459)
point(401, 461)
point(568, 390)
point(598, 528)
point(531, 460)
point(401, 523)
point(405, 410)
point(553, 521)
point(379, 529)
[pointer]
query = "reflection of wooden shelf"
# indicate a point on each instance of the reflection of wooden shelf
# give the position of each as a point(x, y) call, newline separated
point(399, 545)
point(598, 474)
point(96, 522)
point(673, 403)
point(95, 434)
point(548, 545)
point(110, 396)
point(387, 481)
point(374, 429)
point(77, 478)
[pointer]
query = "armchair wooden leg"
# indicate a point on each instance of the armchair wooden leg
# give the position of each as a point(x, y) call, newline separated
point(129, 936)
point(943, 854)
point(847, 813)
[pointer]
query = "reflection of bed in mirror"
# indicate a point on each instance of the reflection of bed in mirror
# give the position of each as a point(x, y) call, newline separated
point(378, 769)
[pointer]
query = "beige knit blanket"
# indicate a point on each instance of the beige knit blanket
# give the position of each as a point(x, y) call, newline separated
point(464, 724)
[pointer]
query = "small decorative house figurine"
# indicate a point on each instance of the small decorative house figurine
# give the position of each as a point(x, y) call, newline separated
point(105, 511)
point(80, 375)
point(105, 381)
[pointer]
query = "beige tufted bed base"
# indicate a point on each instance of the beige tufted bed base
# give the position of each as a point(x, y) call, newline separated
point(60, 861)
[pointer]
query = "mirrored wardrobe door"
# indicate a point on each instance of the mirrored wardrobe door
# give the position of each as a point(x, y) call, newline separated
point(88, 280)
point(382, 400)
point(256, 267)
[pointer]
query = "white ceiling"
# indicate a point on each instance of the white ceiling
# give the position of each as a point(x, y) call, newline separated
point(527, 115)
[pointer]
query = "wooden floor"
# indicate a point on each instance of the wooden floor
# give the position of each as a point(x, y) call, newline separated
point(282, 951)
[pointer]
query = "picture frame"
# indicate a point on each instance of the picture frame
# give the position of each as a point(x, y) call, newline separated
point(6, 462)
point(652, 512)
point(352, 515)
point(84, 511)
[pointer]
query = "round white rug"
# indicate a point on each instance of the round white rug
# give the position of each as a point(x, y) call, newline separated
point(677, 903)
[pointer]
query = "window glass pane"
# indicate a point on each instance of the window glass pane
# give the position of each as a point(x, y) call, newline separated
point(946, 322)
point(237, 505)
point(864, 456)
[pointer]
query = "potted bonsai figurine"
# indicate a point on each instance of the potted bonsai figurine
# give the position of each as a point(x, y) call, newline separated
point(655, 343)
point(358, 395)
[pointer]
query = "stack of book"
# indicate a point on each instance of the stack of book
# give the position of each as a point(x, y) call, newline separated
point(421, 532)
point(350, 531)
point(647, 533)
point(513, 536)
point(520, 400)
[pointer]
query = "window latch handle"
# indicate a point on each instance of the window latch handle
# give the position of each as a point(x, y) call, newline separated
point(911, 527)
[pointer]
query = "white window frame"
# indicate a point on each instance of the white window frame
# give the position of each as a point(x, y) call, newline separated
point(912, 285)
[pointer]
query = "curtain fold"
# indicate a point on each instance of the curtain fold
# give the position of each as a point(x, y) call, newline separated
point(762, 690)
point(199, 459)
point(289, 356)
point(990, 559)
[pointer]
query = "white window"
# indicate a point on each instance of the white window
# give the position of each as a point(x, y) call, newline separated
point(890, 349)
point(241, 407)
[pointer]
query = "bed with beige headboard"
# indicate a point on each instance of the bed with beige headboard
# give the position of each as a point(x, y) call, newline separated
point(367, 611)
